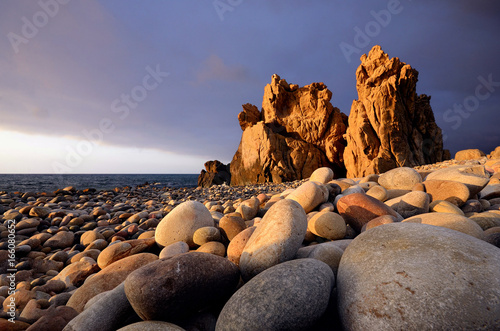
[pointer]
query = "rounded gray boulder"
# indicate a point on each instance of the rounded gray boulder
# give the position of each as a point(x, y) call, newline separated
point(406, 276)
point(289, 296)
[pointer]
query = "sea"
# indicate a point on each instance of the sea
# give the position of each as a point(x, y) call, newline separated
point(52, 182)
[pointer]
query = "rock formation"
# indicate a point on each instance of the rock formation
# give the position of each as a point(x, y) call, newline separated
point(297, 131)
point(389, 125)
point(215, 173)
point(266, 156)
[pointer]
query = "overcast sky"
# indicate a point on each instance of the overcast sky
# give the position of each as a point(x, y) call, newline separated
point(156, 86)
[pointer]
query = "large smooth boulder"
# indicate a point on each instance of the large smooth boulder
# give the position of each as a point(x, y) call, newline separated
point(358, 209)
point(410, 204)
point(289, 296)
point(403, 178)
point(449, 220)
point(474, 177)
point(276, 239)
point(172, 289)
point(407, 276)
point(309, 195)
point(181, 223)
point(469, 154)
point(447, 190)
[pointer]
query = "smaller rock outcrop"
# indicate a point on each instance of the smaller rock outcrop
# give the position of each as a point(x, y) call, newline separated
point(215, 173)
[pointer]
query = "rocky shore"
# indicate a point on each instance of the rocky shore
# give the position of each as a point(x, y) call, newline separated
point(412, 248)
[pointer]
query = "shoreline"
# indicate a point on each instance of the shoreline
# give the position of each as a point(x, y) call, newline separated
point(53, 244)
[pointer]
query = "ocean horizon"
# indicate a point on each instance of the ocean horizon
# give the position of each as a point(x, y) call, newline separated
point(52, 182)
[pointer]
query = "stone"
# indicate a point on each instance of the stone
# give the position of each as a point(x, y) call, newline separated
point(27, 223)
point(441, 206)
point(92, 253)
point(384, 219)
point(175, 288)
point(151, 326)
point(449, 221)
point(61, 239)
point(472, 206)
point(215, 173)
point(328, 253)
point(231, 226)
point(490, 192)
point(469, 154)
point(56, 319)
point(280, 298)
point(60, 299)
point(41, 212)
point(495, 154)
point(410, 204)
point(486, 219)
point(206, 234)
point(118, 251)
point(309, 195)
point(403, 178)
point(108, 279)
point(276, 239)
point(389, 125)
point(106, 314)
point(327, 225)
point(89, 237)
point(322, 175)
point(20, 297)
point(248, 209)
point(238, 243)
point(398, 276)
point(447, 190)
point(378, 192)
point(474, 177)
point(76, 273)
point(181, 223)
point(213, 247)
point(359, 208)
point(7, 325)
point(174, 249)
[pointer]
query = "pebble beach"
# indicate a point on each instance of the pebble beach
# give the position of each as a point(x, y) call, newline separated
point(413, 248)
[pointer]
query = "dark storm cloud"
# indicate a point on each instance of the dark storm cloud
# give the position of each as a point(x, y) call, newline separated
point(64, 81)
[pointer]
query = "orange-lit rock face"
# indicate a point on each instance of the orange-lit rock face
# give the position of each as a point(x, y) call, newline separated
point(389, 125)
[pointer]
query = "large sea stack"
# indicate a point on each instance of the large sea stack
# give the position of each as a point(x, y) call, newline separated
point(389, 125)
point(297, 131)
